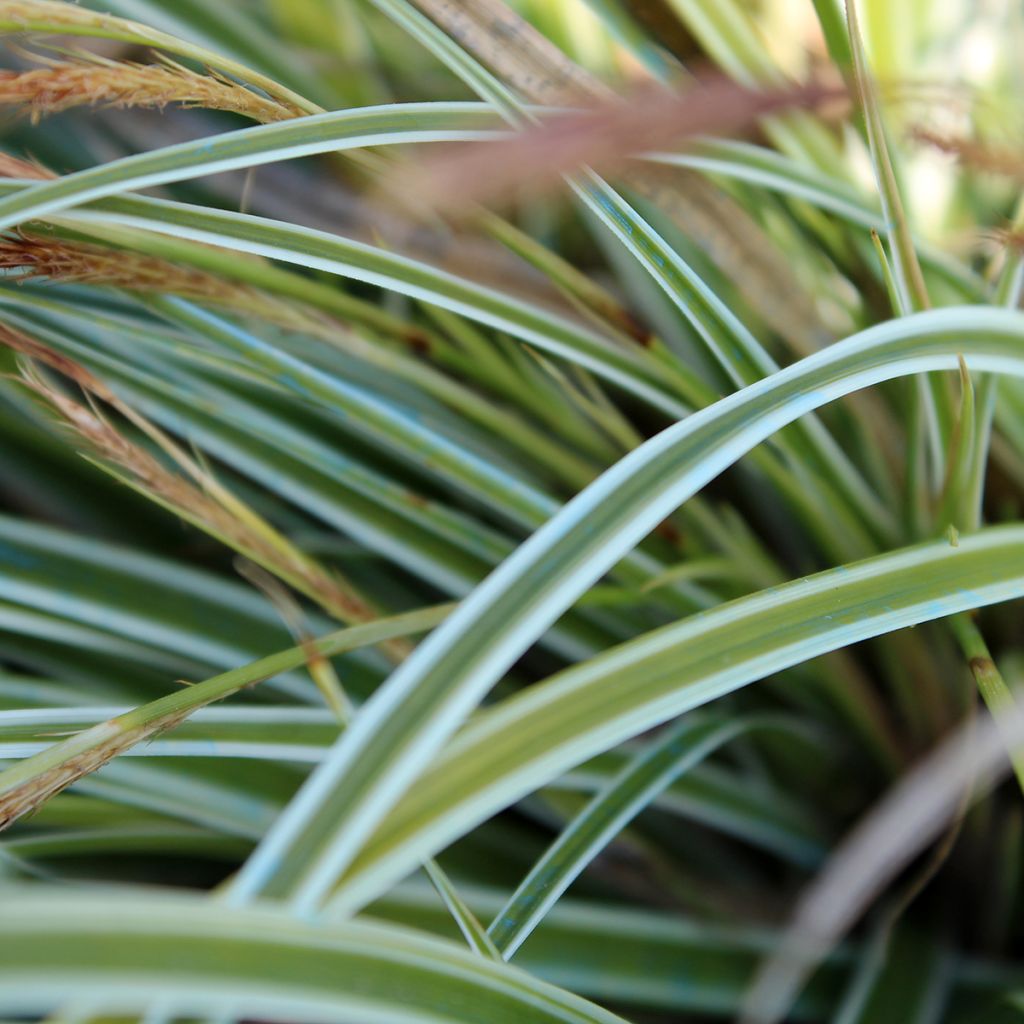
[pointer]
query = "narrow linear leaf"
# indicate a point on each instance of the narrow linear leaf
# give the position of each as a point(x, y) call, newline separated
point(27, 784)
point(410, 718)
point(127, 949)
point(605, 816)
point(530, 739)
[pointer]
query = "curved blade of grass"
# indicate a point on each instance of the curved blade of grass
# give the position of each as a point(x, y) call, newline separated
point(412, 715)
point(520, 500)
point(276, 732)
point(767, 169)
point(329, 132)
point(710, 796)
point(605, 816)
point(626, 956)
point(517, 431)
point(124, 950)
point(187, 793)
point(720, 799)
point(318, 250)
point(470, 928)
point(654, 960)
point(506, 493)
point(335, 131)
point(28, 622)
point(381, 420)
point(177, 840)
point(199, 404)
point(734, 346)
point(439, 545)
point(527, 740)
point(610, 363)
point(714, 324)
point(740, 161)
point(464, 465)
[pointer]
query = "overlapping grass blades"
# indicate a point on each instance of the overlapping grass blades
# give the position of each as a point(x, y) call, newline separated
point(411, 716)
point(424, 436)
point(280, 967)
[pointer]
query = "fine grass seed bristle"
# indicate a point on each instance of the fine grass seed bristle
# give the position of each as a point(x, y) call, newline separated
point(48, 257)
point(194, 494)
point(98, 82)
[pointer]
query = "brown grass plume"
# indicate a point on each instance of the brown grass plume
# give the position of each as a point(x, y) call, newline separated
point(91, 80)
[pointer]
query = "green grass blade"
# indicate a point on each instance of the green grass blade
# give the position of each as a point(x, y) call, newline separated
point(472, 930)
point(523, 743)
point(336, 131)
point(732, 345)
point(123, 951)
point(605, 816)
point(412, 716)
point(561, 337)
point(145, 600)
point(907, 269)
point(319, 250)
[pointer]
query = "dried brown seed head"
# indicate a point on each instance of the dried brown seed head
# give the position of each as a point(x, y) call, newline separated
point(95, 81)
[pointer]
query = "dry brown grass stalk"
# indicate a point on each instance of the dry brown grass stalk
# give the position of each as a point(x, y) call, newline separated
point(194, 493)
point(90, 80)
point(15, 167)
point(50, 258)
point(26, 798)
point(55, 259)
point(1007, 237)
point(56, 16)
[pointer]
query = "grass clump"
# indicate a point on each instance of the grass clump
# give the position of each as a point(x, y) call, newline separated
point(530, 529)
